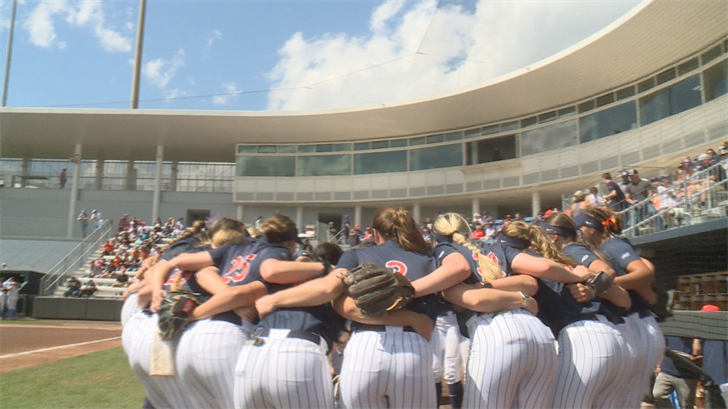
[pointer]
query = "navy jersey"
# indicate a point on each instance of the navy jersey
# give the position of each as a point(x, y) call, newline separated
point(187, 280)
point(321, 320)
point(180, 247)
point(619, 253)
point(502, 254)
point(408, 263)
point(441, 251)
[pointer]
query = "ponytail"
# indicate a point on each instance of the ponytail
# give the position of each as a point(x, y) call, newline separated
point(397, 224)
point(453, 225)
point(197, 229)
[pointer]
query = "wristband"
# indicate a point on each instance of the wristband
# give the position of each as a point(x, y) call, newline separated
point(526, 299)
point(327, 267)
point(486, 284)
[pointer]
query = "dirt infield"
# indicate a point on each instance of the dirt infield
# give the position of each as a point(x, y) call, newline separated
point(26, 345)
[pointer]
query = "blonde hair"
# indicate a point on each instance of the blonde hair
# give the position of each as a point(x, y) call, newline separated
point(537, 241)
point(455, 226)
point(397, 224)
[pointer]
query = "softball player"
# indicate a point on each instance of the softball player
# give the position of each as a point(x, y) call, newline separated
point(593, 355)
point(646, 348)
point(387, 363)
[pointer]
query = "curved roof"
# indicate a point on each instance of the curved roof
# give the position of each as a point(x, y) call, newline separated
point(652, 36)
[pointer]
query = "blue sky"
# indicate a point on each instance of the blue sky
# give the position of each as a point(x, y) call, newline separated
point(323, 54)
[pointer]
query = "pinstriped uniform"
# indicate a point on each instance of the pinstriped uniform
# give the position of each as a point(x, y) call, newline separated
point(389, 367)
point(445, 344)
point(130, 308)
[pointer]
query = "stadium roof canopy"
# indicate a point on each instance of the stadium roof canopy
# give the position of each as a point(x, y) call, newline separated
point(653, 35)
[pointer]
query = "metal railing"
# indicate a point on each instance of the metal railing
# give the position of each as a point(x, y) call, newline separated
point(75, 258)
point(700, 197)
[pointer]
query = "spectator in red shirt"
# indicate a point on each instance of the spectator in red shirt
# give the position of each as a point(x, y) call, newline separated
point(478, 233)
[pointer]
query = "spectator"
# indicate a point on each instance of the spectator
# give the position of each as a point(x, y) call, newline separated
point(259, 223)
point(615, 198)
point(594, 197)
point(88, 290)
point(96, 218)
point(723, 150)
point(579, 200)
point(497, 156)
point(107, 249)
point(122, 280)
point(74, 287)
point(83, 218)
point(180, 225)
point(489, 233)
point(63, 178)
point(478, 233)
point(354, 236)
point(11, 288)
point(332, 231)
point(624, 174)
point(670, 378)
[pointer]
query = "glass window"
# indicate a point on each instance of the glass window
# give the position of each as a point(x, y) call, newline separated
point(380, 162)
point(714, 80)
point(605, 100)
point(510, 126)
point(398, 143)
point(488, 130)
point(380, 145)
point(586, 106)
point(453, 136)
point(436, 157)
point(435, 138)
point(266, 166)
point(286, 148)
point(324, 165)
point(548, 116)
point(711, 54)
point(342, 147)
point(247, 149)
point(549, 137)
point(529, 121)
point(472, 133)
point(325, 147)
point(665, 76)
point(306, 148)
point(267, 149)
point(625, 92)
point(608, 122)
point(362, 146)
point(417, 141)
point(567, 112)
point(670, 101)
point(688, 66)
point(646, 84)
point(490, 150)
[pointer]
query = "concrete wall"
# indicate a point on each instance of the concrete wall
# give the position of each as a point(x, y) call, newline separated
point(77, 309)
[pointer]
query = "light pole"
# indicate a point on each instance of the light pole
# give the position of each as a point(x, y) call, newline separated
point(9, 54)
point(138, 55)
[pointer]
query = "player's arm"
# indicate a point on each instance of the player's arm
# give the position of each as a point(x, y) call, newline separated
point(290, 272)
point(161, 271)
point(454, 269)
point(229, 299)
point(476, 298)
point(518, 282)
point(421, 323)
point(639, 275)
point(544, 268)
point(209, 279)
point(308, 294)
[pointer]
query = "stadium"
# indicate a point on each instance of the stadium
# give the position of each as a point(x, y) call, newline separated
point(643, 93)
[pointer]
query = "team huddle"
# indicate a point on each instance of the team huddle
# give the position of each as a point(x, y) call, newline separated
point(558, 315)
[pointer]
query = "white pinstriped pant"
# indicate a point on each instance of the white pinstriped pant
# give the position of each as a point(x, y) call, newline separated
point(387, 369)
point(137, 338)
point(512, 362)
point(445, 344)
point(283, 373)
point(593, 366)
point(646, 345)
point(130, 308)
point(206, 356)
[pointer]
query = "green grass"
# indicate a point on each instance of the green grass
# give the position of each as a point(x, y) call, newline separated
point(97, 380)
point(25, 321)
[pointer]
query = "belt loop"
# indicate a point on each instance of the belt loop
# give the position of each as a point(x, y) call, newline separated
point(278, 333)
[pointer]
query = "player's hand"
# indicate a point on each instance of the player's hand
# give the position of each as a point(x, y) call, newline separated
point(581, 292)
point(265, 305)
point(532, 306)
point(582, 272)
point(157, 297)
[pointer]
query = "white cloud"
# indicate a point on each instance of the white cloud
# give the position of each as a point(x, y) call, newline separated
point(494, 37)
point(216, 35)
point(172, 94)
point(80, 14)
point(232, 92)
point(160, 71)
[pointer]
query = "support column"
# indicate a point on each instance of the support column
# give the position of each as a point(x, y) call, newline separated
point(130, 183)
point(535, 203)
point(157, 183)
point(357, 215)
point(416, 212)
point(299, 219)
point(173, 179)
point(475, 206)
point(99, 174)
point(74, 189)
point(240, 209)
point(24, 172)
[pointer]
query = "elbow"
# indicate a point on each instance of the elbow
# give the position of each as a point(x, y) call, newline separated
point(530, 285)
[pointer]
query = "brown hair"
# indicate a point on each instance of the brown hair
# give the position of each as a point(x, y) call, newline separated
point(277, 228)
point(397, 224)
point(537, 241)
point(197, 229)
point(330, 252)
point(452, 224)
point(223, 231)
point(566, 222)
point(606, 217)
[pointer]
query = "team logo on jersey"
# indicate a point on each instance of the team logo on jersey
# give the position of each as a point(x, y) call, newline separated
point(625, 255)
point(583, 259)
point(494, 258)
point(184, 276)
point(238, 269)
point(397, 267)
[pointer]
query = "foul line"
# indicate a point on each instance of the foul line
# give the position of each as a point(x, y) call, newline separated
point(59, 347)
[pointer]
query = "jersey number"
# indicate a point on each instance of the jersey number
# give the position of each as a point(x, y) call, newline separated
point(397, 267)
point(176, 272)
point(239, 269)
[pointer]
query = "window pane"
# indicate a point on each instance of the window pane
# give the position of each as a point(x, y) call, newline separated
point(266, 149)
point(436, 157)
point(362, 146)
point(665, 76)
point(266, 166)
point(286, 148)
point(646, 84)
point(247, 149)
point(529, 121)
point(324, 165)
point(586, 106)
point(714, 80)
point(491, 150)
point(417, 141)
point(567, 112)
point(608, 122)
point(306, 148)
point(398, 143)
point(325, 148)
point(435, 138)
point(605, 100)
point(380, 145)
point(548, 116)
point(688, 66)
point(488, 130)
point(670, 101)
point(711, 54)
point(510, 126)
point(453, 136)
point(549, 137)
point(472, 133)
point(342, 147)
point(625, 92)
point(380, 162)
